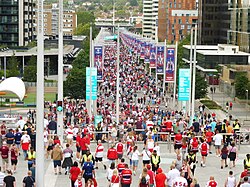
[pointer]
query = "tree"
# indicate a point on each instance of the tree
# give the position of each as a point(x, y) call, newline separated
point(201, 86)
point(85, 17)
point(241, 85)
point(186, 41)
point(133, 3)
point(13, 67)
point(30, 70)
point(75, 85)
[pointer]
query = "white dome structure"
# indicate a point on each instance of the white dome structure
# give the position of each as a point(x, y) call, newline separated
point(14, 85)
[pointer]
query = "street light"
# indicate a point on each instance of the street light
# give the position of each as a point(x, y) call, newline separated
point(247, 102)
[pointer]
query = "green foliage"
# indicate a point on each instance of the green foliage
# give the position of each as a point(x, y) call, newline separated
point(12, 66)
point(133, 3)
point(210, 104)
point(30, 70)
point(75, 85)
point(122, 13)
point(32, 44)
point(186, 41)
point(241, 85)
point(200, 86)
point(85, 17)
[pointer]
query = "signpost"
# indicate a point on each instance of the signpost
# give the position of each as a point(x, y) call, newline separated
point(91, 83)
point(184, 85)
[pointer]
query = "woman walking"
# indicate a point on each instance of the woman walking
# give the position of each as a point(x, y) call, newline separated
point(224, 154)
point(232, 155)
point(67, 162)
point(73, 173)
point(135, 159)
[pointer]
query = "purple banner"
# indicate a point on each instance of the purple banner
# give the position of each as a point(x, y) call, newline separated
point(98, 61)
point(170, 65)
point(152, 58)
point(160, 59)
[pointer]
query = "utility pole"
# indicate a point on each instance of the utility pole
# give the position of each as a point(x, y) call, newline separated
point(40, 98)
point(60, 72)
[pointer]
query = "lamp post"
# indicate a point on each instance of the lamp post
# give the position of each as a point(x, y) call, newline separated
point(247, 102)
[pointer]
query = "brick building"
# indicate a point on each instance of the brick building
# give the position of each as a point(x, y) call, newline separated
point(181, 16)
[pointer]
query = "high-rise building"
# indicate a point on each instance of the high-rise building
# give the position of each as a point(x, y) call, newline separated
point(16, 22)
point(239, 32)
point(171, 20)
point(150, 18)
point(214, 22)
point(181, 17)
point(51, 21)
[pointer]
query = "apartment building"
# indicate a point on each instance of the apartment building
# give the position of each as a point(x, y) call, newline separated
point(150, 19)
point(51, 21)
point(239, 32)
point(16, 22)
point(182, 16)
point(171, 20)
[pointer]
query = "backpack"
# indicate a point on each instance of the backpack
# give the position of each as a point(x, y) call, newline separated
point(143, 180)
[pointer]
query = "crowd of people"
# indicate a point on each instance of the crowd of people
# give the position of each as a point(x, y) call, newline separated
point(145, 119)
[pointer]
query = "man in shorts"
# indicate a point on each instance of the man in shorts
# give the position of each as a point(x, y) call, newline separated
point(218, 139)
point(99, 154)
point(4, 151)
point(178, 142)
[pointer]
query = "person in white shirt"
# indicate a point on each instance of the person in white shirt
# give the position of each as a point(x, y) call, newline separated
point(146, 154)
point(2, 175)
point(180, 181)
point(230, 181)
point(157, 148)
point(135, 159)
point(70, 133)
point(99, 154)
point(172, 175)
point(246, 183)
point(218, 138)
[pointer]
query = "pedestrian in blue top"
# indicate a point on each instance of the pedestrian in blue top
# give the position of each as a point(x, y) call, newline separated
point(88, 170)
point(17, 137)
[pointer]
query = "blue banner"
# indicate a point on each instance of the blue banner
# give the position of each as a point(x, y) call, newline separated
point(93, 80)
point(184, 85)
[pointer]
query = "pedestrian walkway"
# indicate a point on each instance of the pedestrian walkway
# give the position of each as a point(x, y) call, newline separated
point(239, 111)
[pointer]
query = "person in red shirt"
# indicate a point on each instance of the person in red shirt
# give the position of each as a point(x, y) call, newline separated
point(112, 154)
point(151, 175)
point(177, 142)
point(73, 173)
point(119, 149)
point(121, 166)
point(126, 177)
point(244, 173)
point(4, 151)
point(84, 144)
point(78, 147)
point(209, 137)
point(115, 179)
point(194, 145)
point(14, 155)
point(204, 147)
point(211, 182)
point(160, 178)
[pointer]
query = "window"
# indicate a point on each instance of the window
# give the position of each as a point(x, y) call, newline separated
point(170, 5)
point(179, 5)
point(182, 26)
point(180, 21)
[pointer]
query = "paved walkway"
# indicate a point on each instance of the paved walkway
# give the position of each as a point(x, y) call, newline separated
point(239, 111)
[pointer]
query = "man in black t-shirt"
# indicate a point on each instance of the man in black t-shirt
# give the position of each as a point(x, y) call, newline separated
point(9, 180)
point(29, 181)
